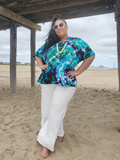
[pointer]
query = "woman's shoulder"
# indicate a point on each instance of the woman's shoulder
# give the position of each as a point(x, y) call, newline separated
point(76, 39)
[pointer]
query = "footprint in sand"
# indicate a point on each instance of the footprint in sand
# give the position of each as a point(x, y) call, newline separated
point(8, 120)
point(87, 129)
point(6, 154)
point(17, 127)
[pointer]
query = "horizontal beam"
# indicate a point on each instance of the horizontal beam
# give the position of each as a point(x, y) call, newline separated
point(55, 5)
point(74, 9)
point(26, 3)
point(71, 15)
point(68, 14)
point(11, 15)
point(6, 25)
point(4, 18)
point(79, 8)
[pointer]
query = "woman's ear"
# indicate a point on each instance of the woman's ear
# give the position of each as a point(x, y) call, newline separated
point(67, 26)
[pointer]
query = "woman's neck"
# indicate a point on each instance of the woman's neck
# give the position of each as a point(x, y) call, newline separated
point(64, 38)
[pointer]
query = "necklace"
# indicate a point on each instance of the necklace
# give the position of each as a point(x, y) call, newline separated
point(60, 51)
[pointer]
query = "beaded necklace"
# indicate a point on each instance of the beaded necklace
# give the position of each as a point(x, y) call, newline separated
point(60, 51)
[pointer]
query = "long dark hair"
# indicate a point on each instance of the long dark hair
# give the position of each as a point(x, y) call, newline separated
point(52, 36)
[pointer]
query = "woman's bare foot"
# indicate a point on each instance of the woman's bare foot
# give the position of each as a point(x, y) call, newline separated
point(60, 139)
point(45, 152)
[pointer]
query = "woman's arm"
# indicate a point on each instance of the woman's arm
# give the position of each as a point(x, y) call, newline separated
point(86, 63)
point(40, 63)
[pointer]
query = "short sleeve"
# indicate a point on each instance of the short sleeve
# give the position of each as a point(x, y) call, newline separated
point(88, 52)
point(40, 52)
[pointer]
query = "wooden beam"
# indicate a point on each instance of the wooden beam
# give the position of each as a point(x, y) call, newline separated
point(118, 49)
point(92, 7)
point(67, 14)
point(47, 17)
point(117, 11)
point(5, 27)
point(34, 8)
point(9, 14)
point(13, 44)
point(47, 3)
point(33, 37)
point(74, 9)
point(117, 15)
point(4, 18)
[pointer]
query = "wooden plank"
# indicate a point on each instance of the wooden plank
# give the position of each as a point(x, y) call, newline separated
point(4, 18)
point(33, 37)
point(67, 14)
point(13, 44)
point(9, 14)
point(34, 8)
point(47, 17)
point(5, 27)
point(74, 9)
point(26, 4)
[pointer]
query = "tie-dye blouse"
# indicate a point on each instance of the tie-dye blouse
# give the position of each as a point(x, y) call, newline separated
point(75, 51)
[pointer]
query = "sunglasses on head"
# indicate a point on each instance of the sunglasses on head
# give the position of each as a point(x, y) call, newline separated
point(60, 25)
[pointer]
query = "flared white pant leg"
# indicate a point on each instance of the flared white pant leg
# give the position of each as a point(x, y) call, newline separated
point(61, 130)
point(53, 125)
point(46, 100)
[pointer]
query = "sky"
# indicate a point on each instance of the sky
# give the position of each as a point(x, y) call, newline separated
point(98, 31)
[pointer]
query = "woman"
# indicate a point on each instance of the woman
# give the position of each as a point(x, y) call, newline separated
point(57, 58)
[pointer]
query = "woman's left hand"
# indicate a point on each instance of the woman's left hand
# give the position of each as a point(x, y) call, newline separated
point(72, 74)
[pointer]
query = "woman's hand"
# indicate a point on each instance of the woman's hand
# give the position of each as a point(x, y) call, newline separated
point(40, 63)
point(86, 63)
point(72, 74)
point(44, 66)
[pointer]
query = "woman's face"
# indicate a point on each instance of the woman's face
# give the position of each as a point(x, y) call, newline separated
point(61, 31)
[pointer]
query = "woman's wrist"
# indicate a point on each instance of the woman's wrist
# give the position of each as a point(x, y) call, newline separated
point(78, 72)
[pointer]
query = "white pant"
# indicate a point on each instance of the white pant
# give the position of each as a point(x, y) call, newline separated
point(54, 103)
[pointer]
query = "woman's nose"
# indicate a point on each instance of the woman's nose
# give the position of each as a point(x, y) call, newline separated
point(58, 27)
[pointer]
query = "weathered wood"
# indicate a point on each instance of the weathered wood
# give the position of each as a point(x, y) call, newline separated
point(9, 14)
point(91, 9)
point(66, 13)
point(43, 11)
point(57, 5)
point(33, 37)
point(25, 3)
point(47, 17)
point(13, 44)
point(22, 4)
point(5, 27)
point(4, 18)
point(117, 15)
point(118, 49)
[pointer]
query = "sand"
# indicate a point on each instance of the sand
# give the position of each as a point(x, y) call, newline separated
point(91, 124)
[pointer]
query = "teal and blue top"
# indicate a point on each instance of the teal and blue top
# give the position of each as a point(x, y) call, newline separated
point(75, 51)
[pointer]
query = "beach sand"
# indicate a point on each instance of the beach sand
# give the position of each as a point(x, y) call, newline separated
point(91, 124)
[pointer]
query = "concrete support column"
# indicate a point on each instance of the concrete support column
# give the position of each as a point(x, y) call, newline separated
point(33, 37)
point(13, 46)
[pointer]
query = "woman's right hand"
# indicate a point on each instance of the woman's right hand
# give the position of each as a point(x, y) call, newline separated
point(44, 66)
point(40, 63)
